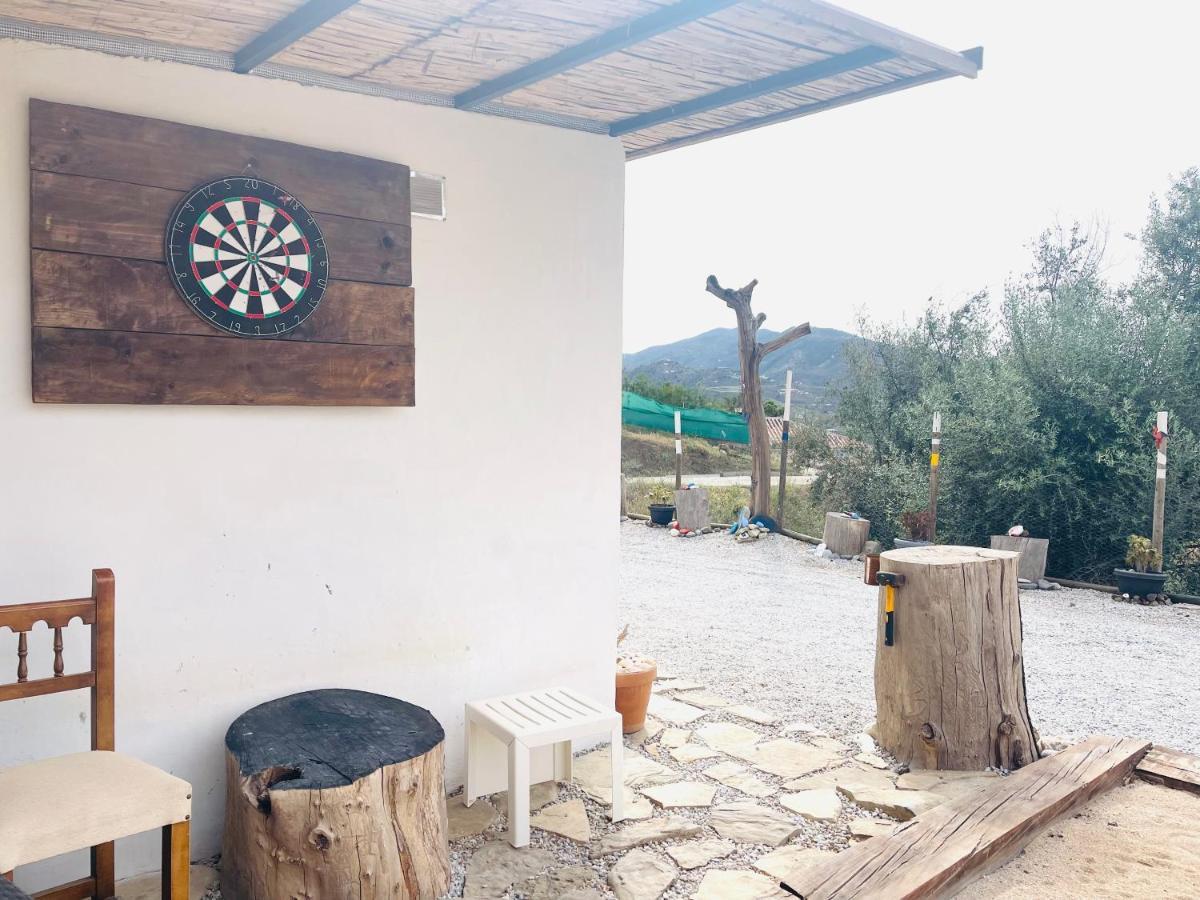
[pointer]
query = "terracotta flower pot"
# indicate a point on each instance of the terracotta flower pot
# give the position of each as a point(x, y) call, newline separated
point(635, 678)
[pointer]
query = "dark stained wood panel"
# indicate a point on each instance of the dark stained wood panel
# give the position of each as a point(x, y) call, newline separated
point(941, 850)
point(112, 218)
point(76, 290)
point(76, 140)
point(87, 366)
point(109, 325)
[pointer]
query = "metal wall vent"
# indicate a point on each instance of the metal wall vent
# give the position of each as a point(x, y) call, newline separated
point(428, 195)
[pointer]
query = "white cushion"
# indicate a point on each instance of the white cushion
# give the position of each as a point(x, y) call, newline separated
point(80, 800)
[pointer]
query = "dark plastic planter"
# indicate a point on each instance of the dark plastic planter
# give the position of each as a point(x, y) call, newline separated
point(902, 543)
point(662, 513)
point(1139, 584)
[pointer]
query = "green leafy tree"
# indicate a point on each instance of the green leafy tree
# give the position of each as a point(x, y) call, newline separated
point(1047, 398)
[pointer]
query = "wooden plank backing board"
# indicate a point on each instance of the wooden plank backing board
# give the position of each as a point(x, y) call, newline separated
point(942, 849)
point(109, 326)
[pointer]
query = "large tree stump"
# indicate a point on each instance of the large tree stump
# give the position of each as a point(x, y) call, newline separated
point(844, 535)
point(950, 691)
point(691, 509)
point(1033, 551)
point(333, 795)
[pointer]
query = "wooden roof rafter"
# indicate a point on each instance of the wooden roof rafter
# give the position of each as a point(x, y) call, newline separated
point(657, 74)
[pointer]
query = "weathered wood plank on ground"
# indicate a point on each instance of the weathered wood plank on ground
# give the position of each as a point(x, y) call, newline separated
point(1171, 769)
point(941, 850)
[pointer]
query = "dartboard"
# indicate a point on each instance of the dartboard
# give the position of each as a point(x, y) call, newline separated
point(247, 256)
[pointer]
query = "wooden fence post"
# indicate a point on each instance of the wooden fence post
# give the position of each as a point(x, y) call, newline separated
point(784, 445)
point(678, 451)
point(1160, 485)
point(935, 460)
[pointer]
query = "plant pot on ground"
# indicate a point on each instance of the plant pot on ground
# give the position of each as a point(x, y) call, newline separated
point(1142, 579)
point(917, 525)
point(635, 679)
point(662, 504)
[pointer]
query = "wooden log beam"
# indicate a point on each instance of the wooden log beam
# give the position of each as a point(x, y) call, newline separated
point(943, 849)
point(1172, 769)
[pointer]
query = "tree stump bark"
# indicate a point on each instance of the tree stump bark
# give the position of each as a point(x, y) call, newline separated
point(333, 795)
point(950, 691)
point(843, 535)
point(691, 509)
point(1033, 551)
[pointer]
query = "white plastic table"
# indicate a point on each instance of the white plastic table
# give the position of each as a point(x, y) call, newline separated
point(519, 740)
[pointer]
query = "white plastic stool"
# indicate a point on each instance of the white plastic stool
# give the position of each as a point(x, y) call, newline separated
point(520, 740)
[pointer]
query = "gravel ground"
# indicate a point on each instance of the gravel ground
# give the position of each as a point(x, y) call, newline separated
point(766, 622)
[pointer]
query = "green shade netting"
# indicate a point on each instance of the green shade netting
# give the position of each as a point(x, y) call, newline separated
point(706, 423)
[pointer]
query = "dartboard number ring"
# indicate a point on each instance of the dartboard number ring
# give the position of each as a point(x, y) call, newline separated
point(247, 256)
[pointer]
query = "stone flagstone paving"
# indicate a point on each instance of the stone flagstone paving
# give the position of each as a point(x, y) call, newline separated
point(722, 801)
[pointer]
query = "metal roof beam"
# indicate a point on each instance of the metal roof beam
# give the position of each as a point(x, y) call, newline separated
point(780, 81)
point(975, 55)
point(872, 32)
point(287, 31)
point(665, 19)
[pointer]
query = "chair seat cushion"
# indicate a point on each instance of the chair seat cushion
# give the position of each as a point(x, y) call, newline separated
point(79, 800)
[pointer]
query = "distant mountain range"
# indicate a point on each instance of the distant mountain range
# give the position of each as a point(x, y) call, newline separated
point(709, 361)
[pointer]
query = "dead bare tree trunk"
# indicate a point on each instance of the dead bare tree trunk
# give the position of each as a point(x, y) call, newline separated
point(750, 356)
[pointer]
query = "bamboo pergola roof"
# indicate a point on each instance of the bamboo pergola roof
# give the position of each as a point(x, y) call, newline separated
point(656, 74)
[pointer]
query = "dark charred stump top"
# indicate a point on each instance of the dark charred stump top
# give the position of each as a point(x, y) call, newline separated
point(9, 891)
point(328, 738)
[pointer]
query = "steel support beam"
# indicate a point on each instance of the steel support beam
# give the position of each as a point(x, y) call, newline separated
point(780, 81)
point(287, 31)
point(665, 19)
point(975, 55)
point(871, 32)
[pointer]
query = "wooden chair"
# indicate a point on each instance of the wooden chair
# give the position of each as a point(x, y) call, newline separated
point(67, 803)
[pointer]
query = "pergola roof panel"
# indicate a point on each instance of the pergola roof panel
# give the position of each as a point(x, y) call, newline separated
point(769, 104)
point(186, 23)
point(656, 73)
point(448, 47)
point(715, 52)
point(369, 33)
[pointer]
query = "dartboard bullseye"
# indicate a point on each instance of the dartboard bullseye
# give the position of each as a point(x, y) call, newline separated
point(247, 256)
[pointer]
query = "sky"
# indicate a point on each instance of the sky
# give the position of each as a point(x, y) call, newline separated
point(1083, 110)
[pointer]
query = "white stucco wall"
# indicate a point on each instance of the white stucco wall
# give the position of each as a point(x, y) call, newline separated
point(461, 548)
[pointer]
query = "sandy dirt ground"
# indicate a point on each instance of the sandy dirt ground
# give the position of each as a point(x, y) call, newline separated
point(1139, 841)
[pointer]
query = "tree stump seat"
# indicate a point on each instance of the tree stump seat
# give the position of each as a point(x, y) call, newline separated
point(950, 687)
point(845, 535)
point(335, 794)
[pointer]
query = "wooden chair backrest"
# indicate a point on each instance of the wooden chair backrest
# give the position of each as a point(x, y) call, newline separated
point(97, 611)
